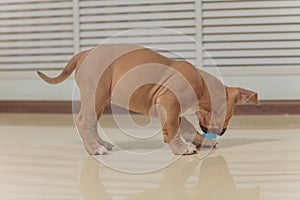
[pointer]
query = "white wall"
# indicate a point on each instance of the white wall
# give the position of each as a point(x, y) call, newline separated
point(269, 87)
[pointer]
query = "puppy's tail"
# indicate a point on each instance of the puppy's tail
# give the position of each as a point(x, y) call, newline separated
point(67, 71)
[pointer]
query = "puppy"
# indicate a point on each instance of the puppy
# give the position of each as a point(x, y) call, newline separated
point(144, 81)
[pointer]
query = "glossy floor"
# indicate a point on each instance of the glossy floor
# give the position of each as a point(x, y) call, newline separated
point(41, 157)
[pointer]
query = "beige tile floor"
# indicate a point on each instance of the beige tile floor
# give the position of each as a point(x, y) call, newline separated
point(41, 158)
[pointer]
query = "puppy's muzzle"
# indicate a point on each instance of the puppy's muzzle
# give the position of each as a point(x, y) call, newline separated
point(213, 130)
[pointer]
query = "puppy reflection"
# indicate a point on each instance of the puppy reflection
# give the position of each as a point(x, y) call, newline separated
point(214, 183)
point(90, 184)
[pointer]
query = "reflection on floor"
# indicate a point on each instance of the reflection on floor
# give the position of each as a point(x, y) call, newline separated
point(41, 157)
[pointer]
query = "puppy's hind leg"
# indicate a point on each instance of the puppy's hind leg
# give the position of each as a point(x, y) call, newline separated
point(87, 128)
point(87, 122)
point(100, 108)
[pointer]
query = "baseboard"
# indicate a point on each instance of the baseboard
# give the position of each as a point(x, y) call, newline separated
point(272, 107)
point(36, 106)
point(267, 107)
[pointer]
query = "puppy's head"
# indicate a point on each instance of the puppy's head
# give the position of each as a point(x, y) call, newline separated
point(215, 120)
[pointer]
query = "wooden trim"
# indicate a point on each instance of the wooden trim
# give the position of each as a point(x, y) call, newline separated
point(267, 107)
point(271, 107)
point(36, 106)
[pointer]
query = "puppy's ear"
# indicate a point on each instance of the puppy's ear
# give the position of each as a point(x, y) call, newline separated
point(246, 95)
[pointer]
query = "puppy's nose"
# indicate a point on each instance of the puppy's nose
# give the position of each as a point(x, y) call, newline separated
point(222, 133)
point(204, 129)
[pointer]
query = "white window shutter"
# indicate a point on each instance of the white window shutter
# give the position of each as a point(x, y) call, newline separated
point(35, 34)
point(100, 20)
point(257, 36)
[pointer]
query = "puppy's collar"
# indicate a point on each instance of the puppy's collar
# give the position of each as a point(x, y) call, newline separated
point(210, 136)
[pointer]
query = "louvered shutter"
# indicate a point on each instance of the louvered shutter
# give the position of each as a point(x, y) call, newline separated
point(141, 20)
point(35, 34)
point(262, 36)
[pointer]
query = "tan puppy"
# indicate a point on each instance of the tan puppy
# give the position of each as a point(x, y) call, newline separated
point(146, 82)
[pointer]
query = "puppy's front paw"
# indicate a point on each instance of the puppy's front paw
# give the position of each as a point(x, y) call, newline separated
point(203, 142)
point(180, 147)
point(184, 150)
point(191, 149)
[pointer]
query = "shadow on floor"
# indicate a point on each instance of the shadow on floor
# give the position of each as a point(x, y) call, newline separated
point(233, 142)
